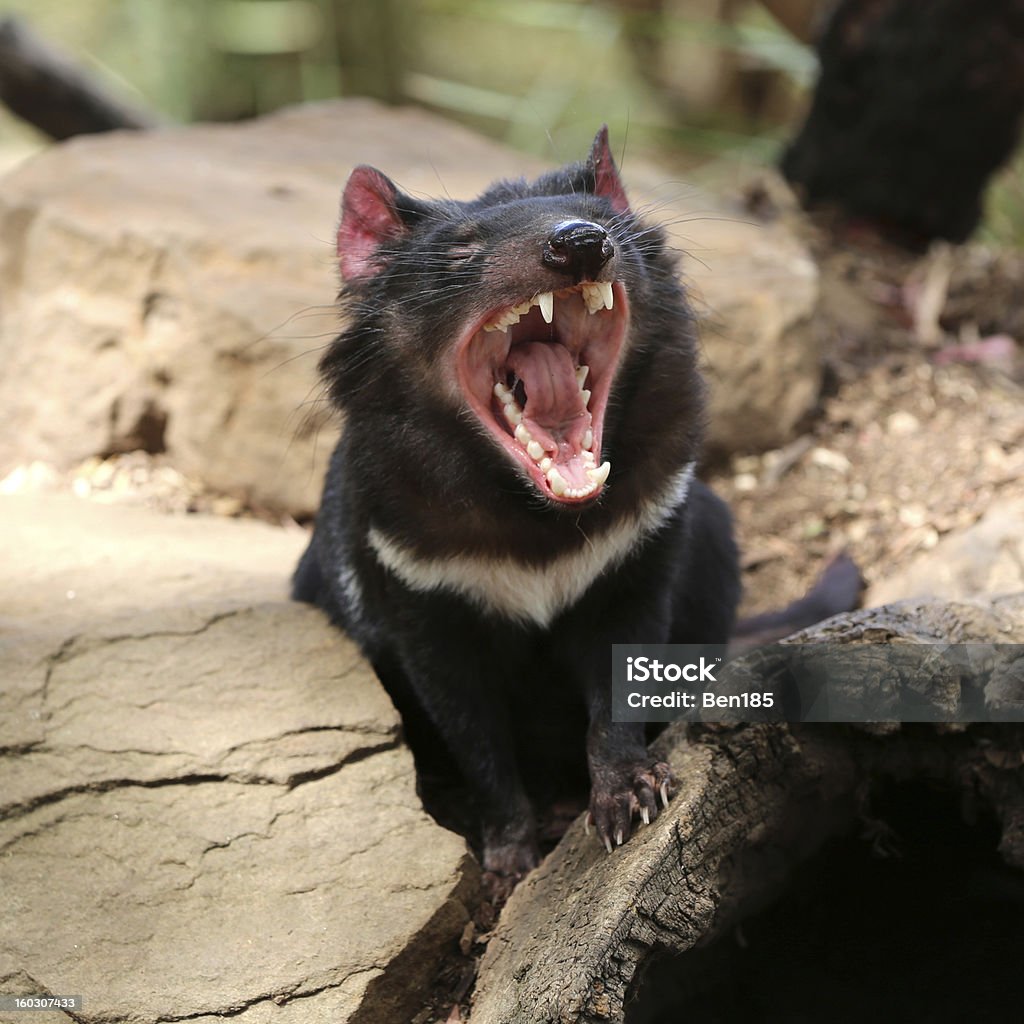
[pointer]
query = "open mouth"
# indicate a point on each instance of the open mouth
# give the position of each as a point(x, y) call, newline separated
point(538, 375)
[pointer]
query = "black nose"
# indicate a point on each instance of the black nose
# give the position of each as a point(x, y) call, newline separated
point(578, 247)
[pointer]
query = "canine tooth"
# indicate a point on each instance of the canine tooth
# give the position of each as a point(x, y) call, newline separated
point(523, 436)
point(586, 396)
point(545, 464)
point(546, 301)
point(588, 439)
point(558, 484)
point(607, 294)
point(535, 451)
point(581, 374)
point(599, 475)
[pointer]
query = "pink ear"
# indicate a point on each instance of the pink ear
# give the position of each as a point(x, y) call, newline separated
point(369, 218)
point(606, 178)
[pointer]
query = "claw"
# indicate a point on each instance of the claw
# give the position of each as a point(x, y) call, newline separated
point(587, 822)
point(645, 815)
point(664, 794)
point(618, 838)
point(607, 844)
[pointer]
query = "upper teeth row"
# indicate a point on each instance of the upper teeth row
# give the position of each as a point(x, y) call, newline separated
point(597, 295)
point(514, 414)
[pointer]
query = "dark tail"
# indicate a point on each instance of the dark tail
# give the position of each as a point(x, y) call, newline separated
point(308, 581)
point(838, 589)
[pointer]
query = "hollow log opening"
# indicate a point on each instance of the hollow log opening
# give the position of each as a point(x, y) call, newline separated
point(912, 915)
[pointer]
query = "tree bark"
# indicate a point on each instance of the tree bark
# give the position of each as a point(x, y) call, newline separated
point(753, 803)
point(48, 90)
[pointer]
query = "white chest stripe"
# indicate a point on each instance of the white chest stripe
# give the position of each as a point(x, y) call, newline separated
point(532, 593)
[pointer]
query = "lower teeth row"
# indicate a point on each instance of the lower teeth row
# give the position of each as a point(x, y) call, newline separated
point(514, 414)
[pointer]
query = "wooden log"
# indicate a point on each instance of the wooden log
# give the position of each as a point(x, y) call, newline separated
point(754, 802)
point(46, 88)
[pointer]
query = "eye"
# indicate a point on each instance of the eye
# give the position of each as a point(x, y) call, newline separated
point(463, 252)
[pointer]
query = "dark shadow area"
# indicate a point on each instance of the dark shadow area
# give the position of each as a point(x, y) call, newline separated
point(915, 919)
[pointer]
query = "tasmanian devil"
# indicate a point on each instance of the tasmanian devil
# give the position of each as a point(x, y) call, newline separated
point(514, 489)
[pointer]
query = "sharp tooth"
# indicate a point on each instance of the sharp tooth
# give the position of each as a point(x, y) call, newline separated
point(588, 439)
point(586, 396)
point(588, 460)
point(546, 301)
point(523, 436)
point(606, 293)
point(522, 308)
point(535, 451)
point(581, 374)
point(599, 475)
point(593, 297)
point(545, 464)
point(558, 484)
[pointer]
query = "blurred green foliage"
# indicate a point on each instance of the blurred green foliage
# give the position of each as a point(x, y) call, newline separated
point(539, 74)
point(517, 69)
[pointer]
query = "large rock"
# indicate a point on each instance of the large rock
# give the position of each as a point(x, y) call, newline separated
point(757, 294)
point(173, 290)
point(981, 560)
point(207, 808)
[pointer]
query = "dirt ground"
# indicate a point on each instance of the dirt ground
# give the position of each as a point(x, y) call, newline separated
point(921, 424)
point(920, 427)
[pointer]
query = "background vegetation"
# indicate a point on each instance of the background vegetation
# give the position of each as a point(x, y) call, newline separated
point(706, 84)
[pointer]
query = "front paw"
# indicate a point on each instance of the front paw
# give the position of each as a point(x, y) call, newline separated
point(621, 792)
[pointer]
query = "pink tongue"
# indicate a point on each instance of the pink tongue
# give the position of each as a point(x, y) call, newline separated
point(554, 412)
point(553, 397)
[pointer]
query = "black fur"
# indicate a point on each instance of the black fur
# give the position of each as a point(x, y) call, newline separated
point(916, 105)
point(502, 695)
